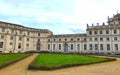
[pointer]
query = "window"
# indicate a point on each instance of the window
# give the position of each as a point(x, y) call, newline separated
point(115, 31)
point(12, 30)
point(85, 39)
point(53, 39)
point(27, 39)
point(95, 32)
point(38, 40)
point(85, 47)
point(116, 46)
point(48, 46)
point(28, 33)
point(90, 39)
point(59, 46)
point(2, 36)
point(108, 46)
point(101, 39)
point(1, 44)
point(19, 46)
point(27, 45)
point(38, 34)
point(91, 47)
point(71, 46)
point(11, 38)
point(11, 45)
point(101, 32)
point(20, 38)
point(96, 46)
point(107, 39)
point(65, 39)
point(101, 46)
point(59, 39)
point(48, 40)
point(3, 29)
point(90, 32)
point(20, 32)
point(78, 39)
point(78, 46)
point(53, 46)
point(107, 31)
point(71, 39)
point(115, 38)
point(96, 39)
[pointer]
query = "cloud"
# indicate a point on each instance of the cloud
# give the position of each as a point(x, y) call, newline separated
point(59, 16)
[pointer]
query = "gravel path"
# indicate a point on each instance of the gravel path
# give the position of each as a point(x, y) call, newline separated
point(20, 68)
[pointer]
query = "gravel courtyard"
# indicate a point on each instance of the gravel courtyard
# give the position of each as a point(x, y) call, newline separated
point(20, 68)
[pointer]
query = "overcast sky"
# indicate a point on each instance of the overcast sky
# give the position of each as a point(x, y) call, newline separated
point(59, 16)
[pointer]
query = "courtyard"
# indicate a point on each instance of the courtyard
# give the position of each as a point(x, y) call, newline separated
point(21, 68)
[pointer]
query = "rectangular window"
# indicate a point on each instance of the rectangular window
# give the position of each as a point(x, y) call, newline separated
point(48, 46)
point(12, 31)
point(115, 31)
point(38, 34)
point(107, 39)
point(2, 36)
point(71, 46)
point(115, 38)
point(59, 46)
point(28, 33)
point(48, 40)
point(53, 46)
point(96, 46)
point(101, 46)
point(90, 32)
point(20, 38)
point(27, 45)
point(96, 39)
point(20, 32)
point(3, 29)
point(11, 38)
point(38, 40)
point(107, 31)
point(11, 45)
point(95, 32)
point(91, 47)
point(1, 44)
point(53, 39)
point(28, 39)
point(116, 46)
point(85, 47)
point(90, 39)
point(101, 39)
point(101, 32)
point(78, 46)
point(19, 46)
point(108, 46)
point(78, 39)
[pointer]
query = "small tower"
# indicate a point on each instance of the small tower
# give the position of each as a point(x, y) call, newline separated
point(115, 20)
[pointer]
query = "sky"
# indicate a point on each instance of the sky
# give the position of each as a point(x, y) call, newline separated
point(59, 16)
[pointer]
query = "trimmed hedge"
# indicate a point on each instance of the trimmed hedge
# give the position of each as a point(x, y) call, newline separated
point(12, 61)
point(32, 66)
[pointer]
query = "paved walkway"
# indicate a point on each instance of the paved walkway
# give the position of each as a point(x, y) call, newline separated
point(20, 68)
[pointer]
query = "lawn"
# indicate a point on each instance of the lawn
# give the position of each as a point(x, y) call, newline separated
point(6, 59)
point(55, 61)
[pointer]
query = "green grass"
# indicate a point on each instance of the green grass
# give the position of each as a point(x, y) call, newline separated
point(55, 61)
point(6, 59)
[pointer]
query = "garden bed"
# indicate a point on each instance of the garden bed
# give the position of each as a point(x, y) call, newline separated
point(47, 61)
point(7, 59)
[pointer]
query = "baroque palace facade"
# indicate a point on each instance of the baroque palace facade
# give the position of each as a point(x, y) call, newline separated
point(101, 39)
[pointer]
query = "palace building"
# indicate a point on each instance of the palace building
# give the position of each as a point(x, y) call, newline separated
point(102, 39)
